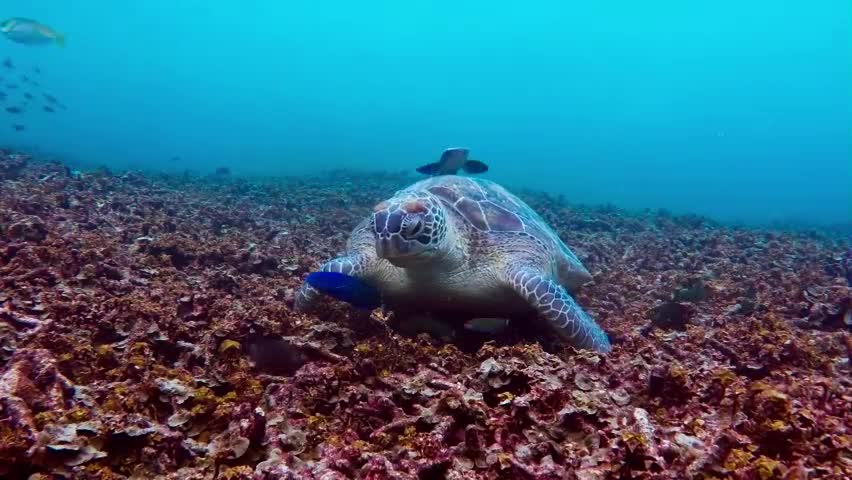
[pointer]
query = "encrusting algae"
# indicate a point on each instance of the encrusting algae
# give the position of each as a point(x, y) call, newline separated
point(136, 312)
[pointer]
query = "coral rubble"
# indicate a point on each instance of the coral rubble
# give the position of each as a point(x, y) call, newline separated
point(147, 331)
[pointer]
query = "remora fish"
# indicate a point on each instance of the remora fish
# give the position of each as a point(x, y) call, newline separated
point(30, 32)
point(451, 161)
point(487, 325)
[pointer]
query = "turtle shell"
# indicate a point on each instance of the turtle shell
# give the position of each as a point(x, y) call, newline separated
point(490, 208)
point(487, 206)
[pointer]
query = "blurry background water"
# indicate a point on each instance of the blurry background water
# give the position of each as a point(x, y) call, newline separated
point(738, 110)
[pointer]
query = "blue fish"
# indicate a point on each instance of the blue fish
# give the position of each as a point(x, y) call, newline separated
point(346, 288)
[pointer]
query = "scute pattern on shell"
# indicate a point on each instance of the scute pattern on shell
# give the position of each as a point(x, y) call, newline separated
point(488, 207)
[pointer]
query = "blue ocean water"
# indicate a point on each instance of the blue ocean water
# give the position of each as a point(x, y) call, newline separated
point(737, 110)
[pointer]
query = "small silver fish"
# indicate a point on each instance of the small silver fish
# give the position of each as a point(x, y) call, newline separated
point(487, 325)
point(30, 32)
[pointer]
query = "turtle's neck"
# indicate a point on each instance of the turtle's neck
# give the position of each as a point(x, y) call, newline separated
point(452, 255)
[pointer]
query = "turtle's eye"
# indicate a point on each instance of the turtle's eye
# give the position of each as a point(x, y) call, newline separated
point(413, 226)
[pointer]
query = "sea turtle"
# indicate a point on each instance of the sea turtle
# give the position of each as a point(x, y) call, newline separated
point(451, 161)
point(461, 244)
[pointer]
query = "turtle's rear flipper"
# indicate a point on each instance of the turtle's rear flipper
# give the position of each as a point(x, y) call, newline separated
point(430, 169)
point(474, 166)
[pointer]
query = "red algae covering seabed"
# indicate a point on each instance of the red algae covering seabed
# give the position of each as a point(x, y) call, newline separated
point(147, 331)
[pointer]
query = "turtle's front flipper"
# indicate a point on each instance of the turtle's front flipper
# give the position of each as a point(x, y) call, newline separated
point(555, 304)
point(352, 265)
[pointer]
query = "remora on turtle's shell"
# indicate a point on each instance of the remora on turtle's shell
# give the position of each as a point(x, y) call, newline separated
point(451, 161)
point(466, 245)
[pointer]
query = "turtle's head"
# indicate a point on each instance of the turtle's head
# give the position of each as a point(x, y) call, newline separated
point(410, 230)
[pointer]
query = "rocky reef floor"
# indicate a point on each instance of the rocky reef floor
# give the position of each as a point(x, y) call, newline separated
point(147, 331)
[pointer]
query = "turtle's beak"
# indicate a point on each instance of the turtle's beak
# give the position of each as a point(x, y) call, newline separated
point(391, 246)
point(398, 252)
point(383, 247)
point(389, 243)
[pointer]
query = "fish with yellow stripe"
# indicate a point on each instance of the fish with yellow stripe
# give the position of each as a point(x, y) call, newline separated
point(31, 32)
